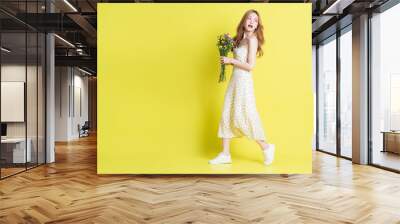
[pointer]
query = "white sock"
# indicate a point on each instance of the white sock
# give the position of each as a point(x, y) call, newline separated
point(226, 153)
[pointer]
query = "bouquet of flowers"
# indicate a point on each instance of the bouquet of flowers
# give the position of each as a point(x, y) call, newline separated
point(225, 45)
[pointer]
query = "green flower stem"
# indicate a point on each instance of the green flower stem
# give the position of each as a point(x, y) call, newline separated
point(222, 74)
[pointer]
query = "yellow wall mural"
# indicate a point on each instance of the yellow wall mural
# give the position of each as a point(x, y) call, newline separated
point(159, 100)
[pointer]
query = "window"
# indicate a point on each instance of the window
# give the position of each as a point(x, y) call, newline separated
point(22, 78)
point(346, 93)
point(327, 95)
point(385, 89)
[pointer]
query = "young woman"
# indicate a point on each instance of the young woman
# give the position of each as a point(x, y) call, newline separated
point(240, 116)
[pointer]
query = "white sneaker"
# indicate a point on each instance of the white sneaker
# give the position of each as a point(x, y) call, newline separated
point(269, 154)
point(221, 159)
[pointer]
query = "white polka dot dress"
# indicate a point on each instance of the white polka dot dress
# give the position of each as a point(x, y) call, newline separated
point(240, 116)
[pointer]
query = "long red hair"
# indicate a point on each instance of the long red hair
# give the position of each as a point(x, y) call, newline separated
point(258, 31)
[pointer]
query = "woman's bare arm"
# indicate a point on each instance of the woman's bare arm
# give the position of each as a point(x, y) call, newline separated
point(251, 56)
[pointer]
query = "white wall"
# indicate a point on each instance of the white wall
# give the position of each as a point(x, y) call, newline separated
point(16, 72)
point(9, 73)
point(81, 84)
point(70, 83)
point(62, 81)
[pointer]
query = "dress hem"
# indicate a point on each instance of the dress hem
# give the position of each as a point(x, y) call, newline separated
point(246, 136)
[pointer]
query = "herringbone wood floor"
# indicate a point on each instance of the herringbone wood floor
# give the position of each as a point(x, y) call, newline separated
point(69, 191)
